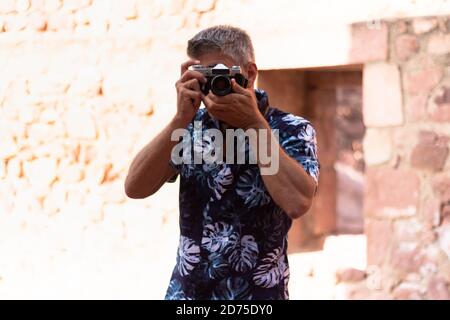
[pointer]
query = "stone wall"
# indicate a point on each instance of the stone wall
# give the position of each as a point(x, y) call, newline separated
point(406, 111)
point(80, 94)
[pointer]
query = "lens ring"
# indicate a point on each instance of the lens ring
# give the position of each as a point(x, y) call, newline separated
point(221, 85)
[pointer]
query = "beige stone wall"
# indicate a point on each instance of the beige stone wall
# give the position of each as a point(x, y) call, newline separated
point(84, 84)
point(406, 111)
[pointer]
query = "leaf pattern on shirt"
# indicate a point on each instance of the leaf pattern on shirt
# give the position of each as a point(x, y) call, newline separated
point(188, 255)
point(219, 237)
point(175, 291)
point(232, 288)
point(271, 270)
point(217, 266)
point(244, 255)
point(293, 120)
point(220, 181)
point(251, 188)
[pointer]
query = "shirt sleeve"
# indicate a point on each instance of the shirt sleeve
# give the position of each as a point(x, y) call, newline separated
point(299, 142)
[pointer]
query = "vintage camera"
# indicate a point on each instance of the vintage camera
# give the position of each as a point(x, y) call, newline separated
point(219, 78)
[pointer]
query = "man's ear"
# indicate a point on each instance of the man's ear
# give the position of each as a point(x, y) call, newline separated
point(252, 72)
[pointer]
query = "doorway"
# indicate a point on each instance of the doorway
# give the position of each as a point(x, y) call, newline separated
point(331, 98)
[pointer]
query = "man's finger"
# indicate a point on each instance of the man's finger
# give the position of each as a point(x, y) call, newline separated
point(191, 84)
point(212, 105)
point(185, 65)
point(207, 101)
point(190, 74)
point(229, 99)
point(221, 100)
point(238, 89)
point(195, 97)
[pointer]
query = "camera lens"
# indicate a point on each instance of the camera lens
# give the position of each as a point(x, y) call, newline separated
point(221, 85)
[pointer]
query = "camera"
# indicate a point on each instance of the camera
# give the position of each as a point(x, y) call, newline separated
point(219, 78)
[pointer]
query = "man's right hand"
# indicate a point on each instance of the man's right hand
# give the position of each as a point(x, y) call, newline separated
point(189, 95)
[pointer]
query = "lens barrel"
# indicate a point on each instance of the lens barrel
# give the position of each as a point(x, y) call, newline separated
point(221, 85)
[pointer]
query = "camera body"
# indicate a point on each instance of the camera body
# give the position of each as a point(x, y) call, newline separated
point(219, 78)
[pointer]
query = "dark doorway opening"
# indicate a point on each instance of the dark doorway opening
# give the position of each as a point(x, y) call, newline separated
point(331, 98)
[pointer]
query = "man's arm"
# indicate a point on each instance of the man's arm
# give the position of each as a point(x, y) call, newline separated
point(150, 169)
point(291, 187)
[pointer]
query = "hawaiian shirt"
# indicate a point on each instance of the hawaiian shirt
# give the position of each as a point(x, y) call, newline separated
point(233, 236)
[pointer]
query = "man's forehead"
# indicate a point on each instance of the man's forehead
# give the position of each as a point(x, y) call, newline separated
point(211, 59)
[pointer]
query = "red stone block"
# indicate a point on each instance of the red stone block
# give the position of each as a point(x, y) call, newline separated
point(443, 97)
point(399, 27)
point(431, 212)
point(416, 107)
point(439, 44)
point(391, 192)
point(441, 186)
point(369, 42)
point(407, 258)
point(405, 46)
point(441, 113)
point(438, 289)
point(423, 80)
point(378, 234)
point(445, 214)
point(350, 275)
point(407, 292)
point(431, 152)
point(441, 108)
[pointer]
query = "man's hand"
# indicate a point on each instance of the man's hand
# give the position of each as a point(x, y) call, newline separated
point(189, 96)
point(238, 109)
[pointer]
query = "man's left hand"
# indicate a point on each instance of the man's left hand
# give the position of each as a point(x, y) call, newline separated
point(238, 109)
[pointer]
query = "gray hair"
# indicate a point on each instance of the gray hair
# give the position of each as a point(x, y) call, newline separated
point(231, 41)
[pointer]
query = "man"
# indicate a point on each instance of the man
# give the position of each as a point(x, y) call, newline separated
point(233, 220)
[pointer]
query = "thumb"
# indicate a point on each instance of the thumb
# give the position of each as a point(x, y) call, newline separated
point(237, 88)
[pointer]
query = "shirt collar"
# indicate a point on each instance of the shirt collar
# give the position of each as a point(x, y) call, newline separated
point(263, 100)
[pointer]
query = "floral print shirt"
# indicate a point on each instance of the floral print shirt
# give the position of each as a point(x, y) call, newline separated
point(233, 236)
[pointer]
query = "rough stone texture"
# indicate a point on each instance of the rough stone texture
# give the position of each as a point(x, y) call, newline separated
point(391, 192)
point(350, 275)
point(406, 258)
point(441, 186)
point(382, 98)
point(405, 46)
point(439, 44)
point(438, 289)
point(377, 146)
point(431, 212)
point(444, 241)
point(409, 235)
point(445, 214)
point(423, 25)
point(369, 42)
point(423, 77)
point(407, 291)
point(416, 107)
point(431, 152)
point(439, 105)
point(378, 239)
